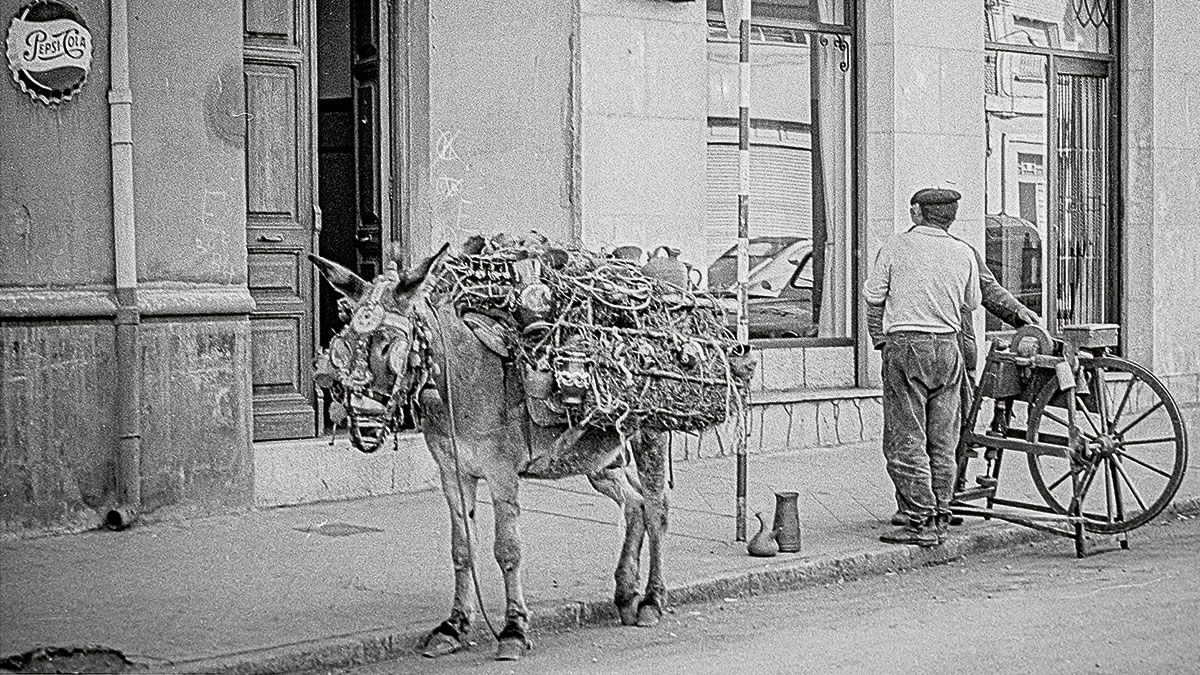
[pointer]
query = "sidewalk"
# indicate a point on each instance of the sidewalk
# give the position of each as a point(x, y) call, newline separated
point(333, 584)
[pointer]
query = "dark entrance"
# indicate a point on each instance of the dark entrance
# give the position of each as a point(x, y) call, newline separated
point(352, 113)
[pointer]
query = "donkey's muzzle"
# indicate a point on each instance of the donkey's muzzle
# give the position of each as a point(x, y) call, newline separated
point(368, 423)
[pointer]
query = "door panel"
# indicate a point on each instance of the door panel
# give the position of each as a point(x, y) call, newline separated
point(368, 68)
point(280, 219)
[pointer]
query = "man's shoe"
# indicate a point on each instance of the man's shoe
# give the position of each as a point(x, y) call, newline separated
point(923, 537)
point(941, 527)
point(900, 520)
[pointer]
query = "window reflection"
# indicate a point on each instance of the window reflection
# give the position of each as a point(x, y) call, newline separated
point(1074, 25)
point(799, 174)
point(811, 11)
point(1015, 201)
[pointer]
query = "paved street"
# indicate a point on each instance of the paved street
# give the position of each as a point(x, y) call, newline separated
point(1035, 609)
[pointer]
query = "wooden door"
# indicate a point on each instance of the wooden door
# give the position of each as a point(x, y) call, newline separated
point(371, 103)
point(281, 221)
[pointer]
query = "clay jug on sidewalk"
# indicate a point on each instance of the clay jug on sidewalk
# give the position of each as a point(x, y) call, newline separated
point(763, 544)
point(787, 522)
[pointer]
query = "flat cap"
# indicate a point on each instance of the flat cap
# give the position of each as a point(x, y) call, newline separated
point(935, 196)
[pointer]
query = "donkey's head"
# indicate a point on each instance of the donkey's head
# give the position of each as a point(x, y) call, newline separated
point(377, 365)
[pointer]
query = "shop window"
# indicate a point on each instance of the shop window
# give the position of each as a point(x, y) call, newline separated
point(1050, 158)
point(801, 178)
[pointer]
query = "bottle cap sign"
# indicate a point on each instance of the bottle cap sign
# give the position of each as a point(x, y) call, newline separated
point(49, 51)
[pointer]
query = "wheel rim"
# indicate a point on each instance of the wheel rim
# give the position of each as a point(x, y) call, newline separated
point(1135, 450)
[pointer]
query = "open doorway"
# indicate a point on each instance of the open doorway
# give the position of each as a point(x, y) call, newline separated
point(353, 153)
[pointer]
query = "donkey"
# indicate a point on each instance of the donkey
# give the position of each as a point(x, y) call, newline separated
point(474, 434)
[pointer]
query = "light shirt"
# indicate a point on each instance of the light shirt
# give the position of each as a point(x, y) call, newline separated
point(924, 279)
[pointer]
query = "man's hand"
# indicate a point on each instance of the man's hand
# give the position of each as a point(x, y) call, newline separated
point(1029, 316)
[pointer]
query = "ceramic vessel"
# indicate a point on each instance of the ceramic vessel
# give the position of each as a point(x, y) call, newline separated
point(763, 544)
point(787, 522)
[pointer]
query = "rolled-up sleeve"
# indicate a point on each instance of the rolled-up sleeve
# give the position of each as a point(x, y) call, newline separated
point(875, 291)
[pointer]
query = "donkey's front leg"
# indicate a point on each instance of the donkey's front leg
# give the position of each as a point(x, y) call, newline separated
point(650, 455)
point(451, 635)
point(514, 639)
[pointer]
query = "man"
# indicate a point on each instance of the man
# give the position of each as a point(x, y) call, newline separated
point(995, 299)
point(923, 280)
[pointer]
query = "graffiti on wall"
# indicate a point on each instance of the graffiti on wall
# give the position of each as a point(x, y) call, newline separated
point(449, 174)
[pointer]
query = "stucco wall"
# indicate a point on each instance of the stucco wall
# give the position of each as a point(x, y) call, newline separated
point(501, 77)
point(644, 107)
point(55, 185)
point(189, 133)
point(1162, 191)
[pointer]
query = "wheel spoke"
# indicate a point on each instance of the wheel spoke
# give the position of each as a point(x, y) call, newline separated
point(1148, 441)
point(1060, 480)
point(1103, 405)
point(1121, 406)
point(1141, 417)
point(1087, 482)
point(1109, 479)
point(1129, 484)
point(1139, 462)
point(1063, 422)
point(1081, 409)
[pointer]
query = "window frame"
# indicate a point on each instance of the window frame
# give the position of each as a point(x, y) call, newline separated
point(856, 162)
point(1094, 64)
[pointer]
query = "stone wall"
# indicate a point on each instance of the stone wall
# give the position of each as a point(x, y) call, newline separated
point(924, 122)
point(1162, 192)
point(644, 117)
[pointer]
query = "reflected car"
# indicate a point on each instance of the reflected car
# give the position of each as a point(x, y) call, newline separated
point(780, 292)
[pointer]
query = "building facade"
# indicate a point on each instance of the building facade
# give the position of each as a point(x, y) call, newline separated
point(158, 316)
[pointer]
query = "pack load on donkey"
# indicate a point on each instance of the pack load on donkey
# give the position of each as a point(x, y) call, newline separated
point(601, 341)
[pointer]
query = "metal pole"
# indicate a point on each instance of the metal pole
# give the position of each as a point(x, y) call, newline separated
point(743, 241)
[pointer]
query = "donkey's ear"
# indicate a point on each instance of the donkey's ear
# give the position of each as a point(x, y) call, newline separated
point(343, 280)
point(412, 279)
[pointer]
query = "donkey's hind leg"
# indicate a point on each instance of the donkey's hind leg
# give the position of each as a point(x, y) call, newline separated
point(650, 456)
point(451, 635)
point(616, 485)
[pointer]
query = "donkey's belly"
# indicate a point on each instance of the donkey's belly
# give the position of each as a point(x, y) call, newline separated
point(572, 453)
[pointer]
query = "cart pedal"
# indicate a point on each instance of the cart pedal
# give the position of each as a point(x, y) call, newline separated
point(986, 481)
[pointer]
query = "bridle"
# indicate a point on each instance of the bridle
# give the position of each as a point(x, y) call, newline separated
point(377, 365)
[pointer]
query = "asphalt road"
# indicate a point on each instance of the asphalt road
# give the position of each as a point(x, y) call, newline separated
point(1033, 610)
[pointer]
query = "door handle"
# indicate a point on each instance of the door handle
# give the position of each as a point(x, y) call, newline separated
point(271, 238)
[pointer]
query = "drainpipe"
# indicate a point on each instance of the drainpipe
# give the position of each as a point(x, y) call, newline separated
point(129, 422)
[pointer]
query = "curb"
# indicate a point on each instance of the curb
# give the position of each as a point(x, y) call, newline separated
point(778, 576)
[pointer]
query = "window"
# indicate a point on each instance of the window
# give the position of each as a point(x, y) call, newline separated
point(801, 177)
point(1050, 153)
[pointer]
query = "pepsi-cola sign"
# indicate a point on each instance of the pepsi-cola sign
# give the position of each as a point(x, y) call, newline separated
point(49, 51)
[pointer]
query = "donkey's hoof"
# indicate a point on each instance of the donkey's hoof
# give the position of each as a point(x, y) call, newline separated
point(512, 649)
point(440, 644)
point(629, 611)
point(648, 616)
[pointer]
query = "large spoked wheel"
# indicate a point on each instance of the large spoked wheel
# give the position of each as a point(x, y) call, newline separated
point(1133, 452)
